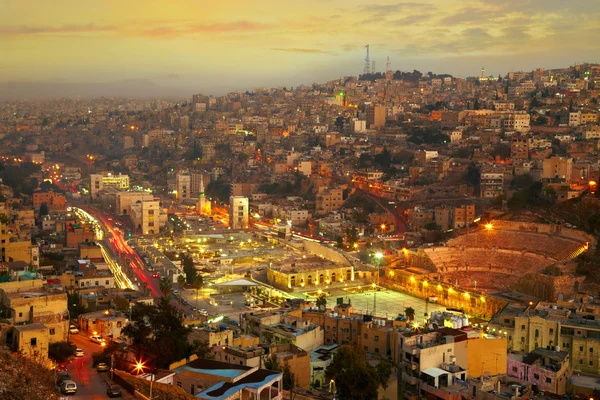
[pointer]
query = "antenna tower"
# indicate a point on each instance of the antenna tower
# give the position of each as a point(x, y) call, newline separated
point(367, 69)
point(388, 66)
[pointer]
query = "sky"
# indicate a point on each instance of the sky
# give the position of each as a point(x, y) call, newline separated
point(202, 46)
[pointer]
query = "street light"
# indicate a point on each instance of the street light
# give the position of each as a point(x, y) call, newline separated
point(489, 226)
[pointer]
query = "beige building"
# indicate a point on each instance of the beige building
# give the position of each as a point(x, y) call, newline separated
point(30, 302)
point(491, 182)
point(124, 200)
point(558, 168)
point(238, 212)
point(147, 217)
point(107, 323)
point(553, 325)
point(376, 115)
point(99, 182)
point(464, 216)
point(183, 186)
point(31, 340)
point(308, 272)
point(328, 200)
point(212, 336)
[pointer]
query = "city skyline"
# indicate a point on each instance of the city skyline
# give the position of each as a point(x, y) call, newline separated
point(187, 47)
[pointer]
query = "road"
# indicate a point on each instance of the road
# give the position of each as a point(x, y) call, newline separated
point(90, 385)
point(118, 248)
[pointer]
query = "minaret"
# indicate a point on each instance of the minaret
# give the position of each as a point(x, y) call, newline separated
point(201, 205)
point(482, 72)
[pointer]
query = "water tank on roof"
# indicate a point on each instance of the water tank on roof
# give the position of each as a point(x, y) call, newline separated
point(556, 348)
point(335, 314)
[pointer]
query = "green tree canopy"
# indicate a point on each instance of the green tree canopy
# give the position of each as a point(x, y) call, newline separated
point(354, 378)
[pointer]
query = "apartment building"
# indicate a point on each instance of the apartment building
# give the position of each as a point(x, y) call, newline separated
point(183, 186)
point(99, 182)
point(491, 182)
point(548, 369)
point(376, 115)
point(54, 201)
point(147, 216)
point(560, 326)
point(238, 212)
point(124, 200)
point(464, 216)
point(328, 200)
point(558, 168)
point(519, 148)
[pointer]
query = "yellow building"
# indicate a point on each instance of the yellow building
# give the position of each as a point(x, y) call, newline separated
point(31, 340)
point(28, 302)
point(554, 325)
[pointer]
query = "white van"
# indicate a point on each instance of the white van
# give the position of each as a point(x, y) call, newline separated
point(68, 387)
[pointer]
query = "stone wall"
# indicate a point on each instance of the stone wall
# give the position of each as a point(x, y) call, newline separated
point(547, 287)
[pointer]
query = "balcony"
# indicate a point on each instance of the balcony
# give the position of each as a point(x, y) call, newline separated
point(414, 366)
point(410, 380)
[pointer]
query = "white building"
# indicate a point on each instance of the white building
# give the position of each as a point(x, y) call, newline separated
point(238, 212)
point(183, 185)
point(99, 182)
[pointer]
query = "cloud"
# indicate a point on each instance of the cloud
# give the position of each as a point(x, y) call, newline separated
point(468, 15)
point(303, 51)
point(385, 10)
point(235, 26)
point(34, 30)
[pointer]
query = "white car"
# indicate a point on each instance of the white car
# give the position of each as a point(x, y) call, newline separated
point(79, 353)
point(203, 312)
point(97, 339)
point(73, 330)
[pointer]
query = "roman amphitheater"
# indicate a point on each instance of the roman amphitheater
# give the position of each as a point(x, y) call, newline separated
point(492, 257)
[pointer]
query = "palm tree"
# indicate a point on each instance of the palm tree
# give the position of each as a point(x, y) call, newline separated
point(410, 313)
point(198, 282)
point(165, 286)
point(181, 281)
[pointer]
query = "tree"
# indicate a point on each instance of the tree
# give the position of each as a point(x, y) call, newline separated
point(198, 283)
point(410, 313)
point(181, 282)
point(541, 120)
point(43, 209)
point(321, 301)
point(61, 351)
point(165, 286)
point(353, 376)
point(25, 378)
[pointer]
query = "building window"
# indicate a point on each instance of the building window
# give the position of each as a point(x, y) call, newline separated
point(515, 369)
point(366, 348)
point(536, 377)
point(537, 333)
point(20, 314)
point(551, 331)
point(580, 348)
point(33, 342)
point(548, 380)
point(591, 349)
point(178, 384)
point(106, 282)
point(52, 331)
point(591, 363)
point(377, 338)
point(510, 338)
point(366, 336)
point(523, 327)
point(376, 349)
point(580, 361)
point(506, 321)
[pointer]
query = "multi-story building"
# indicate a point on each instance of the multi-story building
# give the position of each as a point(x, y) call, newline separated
point(124, 200)
point(376, 115)
point(562, 327)
point(548, 369)
point(183, 186)
point(147, 217)
point(558, 168)
point(238, 212)
point(328, 200)
point(30, 302)
point(99, 182)
point(464, 216)
point(491, 182)
point(519, 148)
point(243, 189)
point(54, 201)
point(443, 217)
point(419, 218)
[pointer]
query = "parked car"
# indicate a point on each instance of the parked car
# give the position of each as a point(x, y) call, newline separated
point(73, 330)
point(113, 391)
point(68, 387)
point(102, 367)
point(203, 312)
point(79, 353)
point(155, 275)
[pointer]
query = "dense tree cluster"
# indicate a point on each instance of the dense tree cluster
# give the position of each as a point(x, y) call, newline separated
point(354, 377)
point(23, 378)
